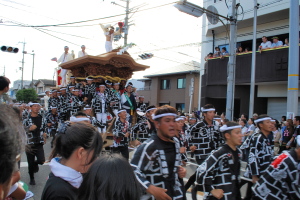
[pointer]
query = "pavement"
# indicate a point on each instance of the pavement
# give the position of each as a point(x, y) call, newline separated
point(44, 170)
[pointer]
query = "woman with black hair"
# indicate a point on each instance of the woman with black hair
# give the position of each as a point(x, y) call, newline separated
point(78, 145)
point(110, 177)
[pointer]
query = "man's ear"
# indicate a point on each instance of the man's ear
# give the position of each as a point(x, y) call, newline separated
point(157, 124)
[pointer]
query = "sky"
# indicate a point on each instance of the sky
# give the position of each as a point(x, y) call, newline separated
point(151, 30)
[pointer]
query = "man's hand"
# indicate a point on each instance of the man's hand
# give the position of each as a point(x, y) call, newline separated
point(254, 179)
point(182, 149)
point(127, 134)
point(136, 143)
point(85, 99)
point(181, 171)
point(218, 193)
point(32, 128)
point(49, 124)
point(193, 148)
point(158, 193)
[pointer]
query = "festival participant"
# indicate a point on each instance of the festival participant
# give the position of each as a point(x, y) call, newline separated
point(63, 109)
point(65, 57)
point(116, 99)
point(89, 114)
point(36, 138)
point(72, 83)
point(52, 123)
point(141, 106)
point(121, 183)
point(157, 162)
point(143, 130)
point(100, 104)
point(281, 179)
point(261, 151)
point(89, 89)
point(76, 104)
point(78, 145)
point(82, 52)
point(121, 132)
point(109, 32)
point(218, 175)
point(11, 147)
point(54, 100)
point(46, 99)
point(128, 101)
point(204, 138)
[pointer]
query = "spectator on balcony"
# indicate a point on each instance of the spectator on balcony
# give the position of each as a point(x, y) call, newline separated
point(209, 56)
point(217, 52)
point(265, 43)
point(247, 50)
point(224, 51)
point(240, 50)
point(276, 42)
point(286, 42)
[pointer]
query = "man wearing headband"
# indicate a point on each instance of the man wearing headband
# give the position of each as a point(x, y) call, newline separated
point(143, 129)
point(76, 104)
point(100, 104)
point(52, 123)
point(88, 111)
point(281, 178)
point(261, 151)
point(157, 162)
point(82, 52)
point(116, 98)
point(204, 138)
point(141, 106)
point(121, 132)
point(54, 100)
point(109, 32)
point(128, 101)
point(89, 89)
point(218, 175)
point(63, 108)
point(65, 57)
point(36, 138)
point(72, 83)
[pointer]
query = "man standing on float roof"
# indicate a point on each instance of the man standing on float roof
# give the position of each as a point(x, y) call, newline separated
point(218, 175)
point(109, 32)
point(65, 57)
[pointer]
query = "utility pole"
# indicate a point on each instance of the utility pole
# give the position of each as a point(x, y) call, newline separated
point(231, 63)
point(4, 71)
point(126, 23)
point(33, 54)
point(293, 71)
point(22, 63)
point(253, 64)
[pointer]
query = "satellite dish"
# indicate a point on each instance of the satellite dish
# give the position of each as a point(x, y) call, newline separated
point(212, 18)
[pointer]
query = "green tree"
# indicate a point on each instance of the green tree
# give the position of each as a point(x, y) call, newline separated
point(26, 95)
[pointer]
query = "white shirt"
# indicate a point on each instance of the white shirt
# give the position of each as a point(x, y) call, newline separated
point(268, 44)
point(65, 58)
point(46, 99)
point(81, 54)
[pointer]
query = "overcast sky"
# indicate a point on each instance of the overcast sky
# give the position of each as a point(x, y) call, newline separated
point(153, 29)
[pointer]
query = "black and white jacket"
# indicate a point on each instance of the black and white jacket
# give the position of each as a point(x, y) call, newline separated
point(119, 131)
point(215, 173)
point(205, 137)
point(151, 168)
point(53, 119)
point(140, 131)
point(27, 123)
point(89, 89)
point(281, 179)
point(260, 156)
point(98, 100)
point(95, 122)
point(75, 105)
point(53, 102)
point(116, 99)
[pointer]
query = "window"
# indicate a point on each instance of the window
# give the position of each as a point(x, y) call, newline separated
point(180, 107)
point(165, 84)
point(40, 90)
point(180, 83)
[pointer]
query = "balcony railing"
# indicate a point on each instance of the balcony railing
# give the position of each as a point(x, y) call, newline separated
point(271, 66)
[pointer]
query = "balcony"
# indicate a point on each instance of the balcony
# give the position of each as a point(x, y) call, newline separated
point(271, 66)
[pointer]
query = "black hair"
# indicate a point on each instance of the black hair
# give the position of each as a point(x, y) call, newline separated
point(80, 113)
point(150, 107)
point(229, 124)
point(18, 112)
point(277, 124)
point(224, 48)
point(284, 118)
point(208, 106)
point(110, 177)
point(164, 109)
point(260, 117)
point(11, 131)
point(4, 82)
point(77, 135)
point(246, 116)
point(252, 120)
point(243, 120)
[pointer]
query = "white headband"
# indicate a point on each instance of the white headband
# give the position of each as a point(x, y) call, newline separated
point(88, 79)
point(262, 119)
point(121, 111)
point(62, 88)
point(179, 118)
point(74, 119)
point(75, 90)
point(102, 85)
point(87, 108)
point(52, 107)
point(31, 104)
point(209, 109)
point(163, 115)
point(226, 128)
point(217, 118)
point(272, 120)
point(150, 109)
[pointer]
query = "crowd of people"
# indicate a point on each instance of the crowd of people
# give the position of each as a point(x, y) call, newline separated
point(165, 141)
point(265, 44)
